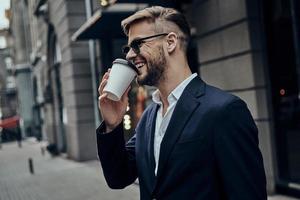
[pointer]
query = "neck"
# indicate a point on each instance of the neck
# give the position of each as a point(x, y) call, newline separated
point(175, 73)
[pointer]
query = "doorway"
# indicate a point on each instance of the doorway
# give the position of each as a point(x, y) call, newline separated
point(282, 37)
point(54, 62)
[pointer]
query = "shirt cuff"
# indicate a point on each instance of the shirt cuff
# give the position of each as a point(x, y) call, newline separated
point(101, 130)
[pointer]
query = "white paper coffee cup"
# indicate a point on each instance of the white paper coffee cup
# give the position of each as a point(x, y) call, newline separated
point(120, 77)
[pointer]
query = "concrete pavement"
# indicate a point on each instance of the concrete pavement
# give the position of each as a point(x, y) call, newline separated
point(56, 178)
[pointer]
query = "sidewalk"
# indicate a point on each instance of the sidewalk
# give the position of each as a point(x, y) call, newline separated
point(56, 178)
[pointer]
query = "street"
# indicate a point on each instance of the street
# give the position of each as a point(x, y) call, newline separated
point(56, 178)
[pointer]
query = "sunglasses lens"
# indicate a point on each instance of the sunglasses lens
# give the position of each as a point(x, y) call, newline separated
point(135, 45)
point(125, 49)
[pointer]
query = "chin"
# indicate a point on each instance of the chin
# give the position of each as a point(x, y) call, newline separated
point(141, 81)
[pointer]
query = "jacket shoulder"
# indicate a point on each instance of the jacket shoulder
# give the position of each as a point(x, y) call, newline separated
point(218, 97)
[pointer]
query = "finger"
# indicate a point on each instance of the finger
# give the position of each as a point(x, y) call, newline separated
point(101, 87)
point(105, 76)
point(103, 97)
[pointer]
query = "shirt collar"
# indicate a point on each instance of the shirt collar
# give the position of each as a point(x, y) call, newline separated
point(176, 93)
point(156, 97)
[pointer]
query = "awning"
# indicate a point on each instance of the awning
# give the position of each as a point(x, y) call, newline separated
point(106, 23)
point(11, 122)
point(103, 24)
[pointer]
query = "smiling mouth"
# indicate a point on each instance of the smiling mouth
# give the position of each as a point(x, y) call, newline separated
point(140, 65)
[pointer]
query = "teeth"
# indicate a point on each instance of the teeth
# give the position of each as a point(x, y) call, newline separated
point(140, 65)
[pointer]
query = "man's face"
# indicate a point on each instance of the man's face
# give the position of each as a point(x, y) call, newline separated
point(151, 60)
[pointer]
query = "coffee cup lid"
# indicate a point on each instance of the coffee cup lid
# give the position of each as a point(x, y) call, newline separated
point(126, 62)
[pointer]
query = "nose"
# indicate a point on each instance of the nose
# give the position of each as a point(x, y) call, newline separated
point(130, 55)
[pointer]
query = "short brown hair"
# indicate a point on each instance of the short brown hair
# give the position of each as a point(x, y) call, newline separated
point(159, 15)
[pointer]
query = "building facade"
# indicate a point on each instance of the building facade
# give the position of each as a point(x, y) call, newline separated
point(8, 93)
point(62, 107)
point(21, 66)
point(248, 48)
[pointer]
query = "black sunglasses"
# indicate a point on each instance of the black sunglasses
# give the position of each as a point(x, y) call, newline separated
point(136, 44)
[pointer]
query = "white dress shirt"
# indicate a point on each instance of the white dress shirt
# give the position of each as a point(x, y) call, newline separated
point(162, 122)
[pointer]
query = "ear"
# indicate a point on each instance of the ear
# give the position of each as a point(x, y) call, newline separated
point(172, 41)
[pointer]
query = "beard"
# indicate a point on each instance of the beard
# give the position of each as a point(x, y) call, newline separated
point(155, 69)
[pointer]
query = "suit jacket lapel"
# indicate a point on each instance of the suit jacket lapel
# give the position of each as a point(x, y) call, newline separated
point(185, 106)
point(150, 142)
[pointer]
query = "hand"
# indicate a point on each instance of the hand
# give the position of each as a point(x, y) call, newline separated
point(112, 112)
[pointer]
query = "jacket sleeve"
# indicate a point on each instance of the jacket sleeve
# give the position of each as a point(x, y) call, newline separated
point(239, 160)
point(117, 158)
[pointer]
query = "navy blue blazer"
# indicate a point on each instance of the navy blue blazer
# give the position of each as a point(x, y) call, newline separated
point(209, 151)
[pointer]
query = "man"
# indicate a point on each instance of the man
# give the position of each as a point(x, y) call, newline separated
point(195, 141)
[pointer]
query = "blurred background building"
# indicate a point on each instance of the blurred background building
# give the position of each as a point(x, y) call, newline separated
point(250, 48)
point(9, 119)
